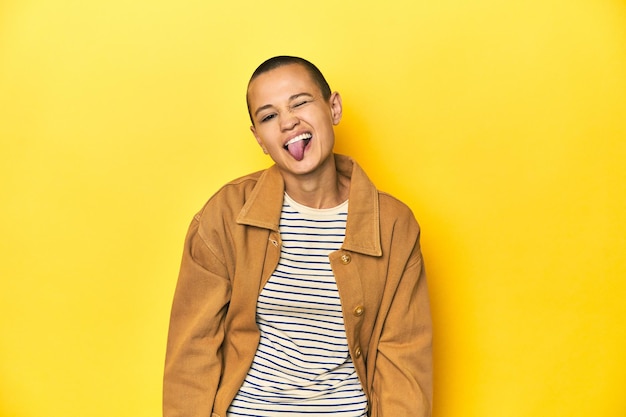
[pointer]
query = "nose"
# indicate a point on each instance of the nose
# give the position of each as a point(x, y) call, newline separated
point(288, 121)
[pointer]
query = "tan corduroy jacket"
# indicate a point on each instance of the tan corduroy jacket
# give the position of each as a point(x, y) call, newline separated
point(232, 248)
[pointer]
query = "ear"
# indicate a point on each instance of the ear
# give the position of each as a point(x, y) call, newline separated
point(336, 107)
point(258, 139)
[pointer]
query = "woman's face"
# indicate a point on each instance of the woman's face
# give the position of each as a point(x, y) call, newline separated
point(292, 121)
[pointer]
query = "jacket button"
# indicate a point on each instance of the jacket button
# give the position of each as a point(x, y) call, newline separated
point(345, 259)
point(357, 352)
point(358, 311)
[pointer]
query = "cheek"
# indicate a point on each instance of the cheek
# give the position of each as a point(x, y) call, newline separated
point(261, 135)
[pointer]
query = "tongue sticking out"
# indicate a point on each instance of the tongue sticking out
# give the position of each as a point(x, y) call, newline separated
point(296, 149)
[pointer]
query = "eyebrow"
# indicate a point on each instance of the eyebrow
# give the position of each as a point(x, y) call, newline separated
point(268, 106)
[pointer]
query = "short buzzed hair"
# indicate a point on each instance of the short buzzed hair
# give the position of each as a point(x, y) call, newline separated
point(282, 60)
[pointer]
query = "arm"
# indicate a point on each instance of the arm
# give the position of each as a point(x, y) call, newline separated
point(193, 362)
point(403, 374)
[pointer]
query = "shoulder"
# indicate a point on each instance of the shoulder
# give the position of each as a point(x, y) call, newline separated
point(399, 228)
point(231, 197)
point(393, 207)
point(397, 218)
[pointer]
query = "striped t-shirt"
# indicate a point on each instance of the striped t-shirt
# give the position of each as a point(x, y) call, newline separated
point(302, 366)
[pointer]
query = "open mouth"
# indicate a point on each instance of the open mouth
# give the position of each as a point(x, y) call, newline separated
point(297, 145)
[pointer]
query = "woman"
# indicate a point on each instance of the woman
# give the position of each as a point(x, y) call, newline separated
point(302, 288)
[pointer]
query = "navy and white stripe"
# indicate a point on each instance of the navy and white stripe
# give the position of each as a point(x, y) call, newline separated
point(302, 366)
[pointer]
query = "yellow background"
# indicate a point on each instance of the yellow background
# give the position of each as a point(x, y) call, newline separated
point(502, 124)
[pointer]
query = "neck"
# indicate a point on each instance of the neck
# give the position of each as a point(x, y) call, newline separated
point(319, 191)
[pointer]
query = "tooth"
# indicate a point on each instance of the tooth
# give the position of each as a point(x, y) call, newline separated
point(299, 137)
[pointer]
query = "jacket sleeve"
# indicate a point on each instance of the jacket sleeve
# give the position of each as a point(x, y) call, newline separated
point(193, 363)
point(403, 375)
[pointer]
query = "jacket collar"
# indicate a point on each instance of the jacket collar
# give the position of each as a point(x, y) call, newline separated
point(263, 207)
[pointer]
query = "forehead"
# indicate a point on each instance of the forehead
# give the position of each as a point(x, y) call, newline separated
point(281, 83)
